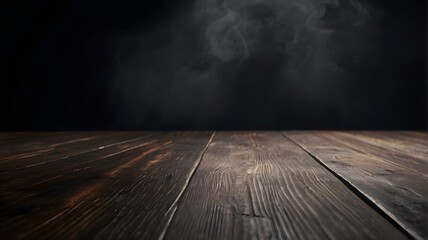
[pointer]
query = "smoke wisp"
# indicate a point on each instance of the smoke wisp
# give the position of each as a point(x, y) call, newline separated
point(218, 57)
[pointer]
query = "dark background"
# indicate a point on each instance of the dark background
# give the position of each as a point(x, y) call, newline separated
point(232, 64)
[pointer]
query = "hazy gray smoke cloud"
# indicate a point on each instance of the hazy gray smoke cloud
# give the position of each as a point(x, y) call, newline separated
point(296, 28)
point(192, 64)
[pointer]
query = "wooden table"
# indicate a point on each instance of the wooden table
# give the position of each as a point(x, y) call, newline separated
point(214, 185)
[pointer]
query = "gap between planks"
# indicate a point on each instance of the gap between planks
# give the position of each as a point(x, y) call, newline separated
point(278, 207)
point(365, 198)
point(171, 211)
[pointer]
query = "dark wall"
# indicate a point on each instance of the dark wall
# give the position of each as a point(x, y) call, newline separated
point(213, 64)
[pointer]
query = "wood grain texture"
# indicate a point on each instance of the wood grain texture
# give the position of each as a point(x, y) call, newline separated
point(413, 145)
point(29, 148)
point(389, 169)
point(84, 143)
point(260, 185)
point(127, 190)
point(26, 141)
point(407, 154)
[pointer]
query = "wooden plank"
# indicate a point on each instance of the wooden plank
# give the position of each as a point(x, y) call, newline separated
point(24, 141)
point(383, 177)
point(21, 173)
point(397, 152)
point(420, 137)
point(73, 146)
point(25, 189)
point(259, 185)
point(125, 191)
point(59, 145)
point(413, 143)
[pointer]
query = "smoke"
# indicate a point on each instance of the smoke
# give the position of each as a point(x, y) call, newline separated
point(190, 70)
point(234, 24)
point(297, 28)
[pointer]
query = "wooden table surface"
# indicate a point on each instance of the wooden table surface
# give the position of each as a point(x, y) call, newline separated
point(214, 185)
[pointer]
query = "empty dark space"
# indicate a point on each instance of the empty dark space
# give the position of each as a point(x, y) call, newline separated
point(209, 64)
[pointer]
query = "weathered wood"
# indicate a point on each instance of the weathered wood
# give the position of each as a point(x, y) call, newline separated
point(64, 144)
point(385, 173)
point(26, 141)
point(413, 143)
point(391, 152)
point(259, 185)
point(75, 145)
point(20, 174)
point(124, 191)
